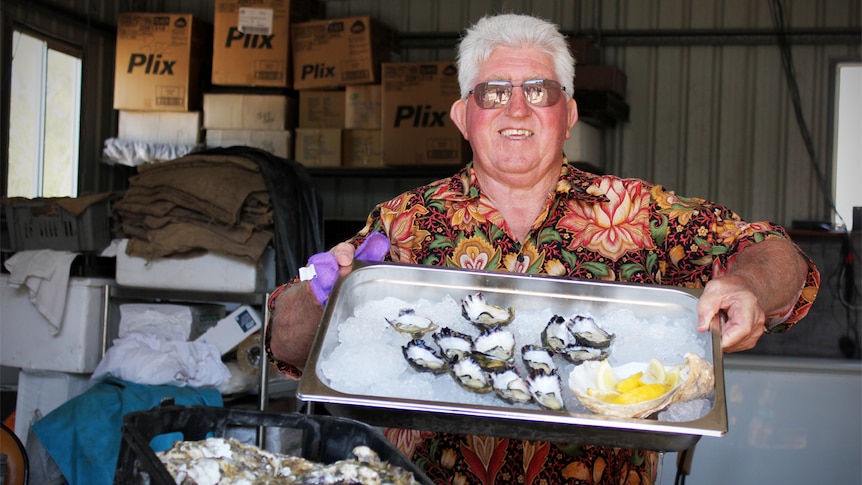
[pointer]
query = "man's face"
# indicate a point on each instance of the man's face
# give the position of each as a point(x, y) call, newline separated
point(518, 141)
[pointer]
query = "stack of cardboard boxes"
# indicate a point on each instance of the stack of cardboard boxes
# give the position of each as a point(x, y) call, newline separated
point(277, 73)
point(157, 77)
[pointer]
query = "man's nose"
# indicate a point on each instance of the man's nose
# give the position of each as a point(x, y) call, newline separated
point(518, 101)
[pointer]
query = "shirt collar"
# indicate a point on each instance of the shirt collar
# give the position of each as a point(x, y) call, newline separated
point(573, 183)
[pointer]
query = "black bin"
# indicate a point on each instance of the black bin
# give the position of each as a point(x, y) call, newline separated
point(324, 439)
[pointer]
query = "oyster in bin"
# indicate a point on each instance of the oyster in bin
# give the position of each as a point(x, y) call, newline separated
point(639, 390)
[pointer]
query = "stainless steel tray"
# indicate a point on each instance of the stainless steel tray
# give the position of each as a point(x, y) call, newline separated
point(371, 282)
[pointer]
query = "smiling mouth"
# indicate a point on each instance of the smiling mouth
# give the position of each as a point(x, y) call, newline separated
point(512, 132)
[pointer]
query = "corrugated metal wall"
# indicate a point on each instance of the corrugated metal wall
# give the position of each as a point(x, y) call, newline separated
point(711, 119)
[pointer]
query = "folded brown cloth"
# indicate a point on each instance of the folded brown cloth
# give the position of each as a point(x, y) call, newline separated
point(176, 239)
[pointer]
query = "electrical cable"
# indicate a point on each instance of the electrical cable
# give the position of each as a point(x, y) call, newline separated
point(849, 343)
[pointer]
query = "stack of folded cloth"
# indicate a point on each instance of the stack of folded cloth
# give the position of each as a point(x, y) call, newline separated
point(194, 204)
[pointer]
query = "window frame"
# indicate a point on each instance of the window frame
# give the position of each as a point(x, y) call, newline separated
point(52, 43)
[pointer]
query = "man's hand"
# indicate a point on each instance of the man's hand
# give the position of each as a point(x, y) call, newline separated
point(728, 303)
point(763, 283)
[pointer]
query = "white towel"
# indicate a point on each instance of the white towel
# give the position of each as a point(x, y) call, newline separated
point(45, 273)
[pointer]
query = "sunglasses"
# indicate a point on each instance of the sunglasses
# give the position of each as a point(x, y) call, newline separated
point(538, 92)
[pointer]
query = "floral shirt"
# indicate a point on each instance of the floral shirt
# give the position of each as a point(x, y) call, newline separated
point(592, 227)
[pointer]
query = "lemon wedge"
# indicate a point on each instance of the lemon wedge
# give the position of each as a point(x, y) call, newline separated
point(606, 396)
point(646, 392)
point(629, 382)
point(655, 373)
point(606, 379)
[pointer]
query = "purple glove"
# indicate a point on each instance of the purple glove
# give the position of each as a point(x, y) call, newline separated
point(322, 268)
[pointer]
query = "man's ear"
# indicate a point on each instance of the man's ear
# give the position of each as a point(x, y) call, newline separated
point(572, 112)
point(458, 114)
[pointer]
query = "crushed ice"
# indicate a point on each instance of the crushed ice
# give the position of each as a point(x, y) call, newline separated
point(368, 359)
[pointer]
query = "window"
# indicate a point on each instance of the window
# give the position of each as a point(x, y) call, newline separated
point(44, 120)
point(848, 143)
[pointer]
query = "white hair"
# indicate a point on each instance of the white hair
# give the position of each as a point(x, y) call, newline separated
point(515, 31)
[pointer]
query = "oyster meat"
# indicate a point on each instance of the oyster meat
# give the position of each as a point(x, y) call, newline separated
point(588, 333)
point(470, 375)
point(495, 343)
point(453, 344)
point(483, 314)
point(546, 389)
point(639, 390)
point(556, 335)
point(409, 322)
point(577, 354)
point(424, 358)
point(510, 387)
point(540, 358)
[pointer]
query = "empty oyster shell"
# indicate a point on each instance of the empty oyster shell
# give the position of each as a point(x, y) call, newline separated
point(475, 309)
point(690, 380)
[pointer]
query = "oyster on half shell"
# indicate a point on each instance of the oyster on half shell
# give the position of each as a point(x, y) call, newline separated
point(691, 380)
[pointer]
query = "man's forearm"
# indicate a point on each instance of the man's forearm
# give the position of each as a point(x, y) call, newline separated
point(776, 271)
point(295, 318)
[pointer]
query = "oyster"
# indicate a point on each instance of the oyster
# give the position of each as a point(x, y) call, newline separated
point(577, 354)
point(510, 387)
point(475, 309)
point(588, 333)
point(470, 375)
point(538, 358)
point(645, 388)
point(556, 335)
point(409, 322)
point(546, 389)
point(495, 343)
point(424, 358)
point(453, 344)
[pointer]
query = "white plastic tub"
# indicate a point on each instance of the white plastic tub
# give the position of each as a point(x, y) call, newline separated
point(207, 272)
point(25, 334)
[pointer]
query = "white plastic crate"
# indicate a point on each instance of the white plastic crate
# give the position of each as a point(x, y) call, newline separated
point(25, 334)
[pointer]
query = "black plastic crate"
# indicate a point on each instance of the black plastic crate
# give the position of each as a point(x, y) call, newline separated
point(324, 439)
point(44, 224)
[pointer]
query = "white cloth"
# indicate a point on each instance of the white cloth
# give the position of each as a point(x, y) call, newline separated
point(45, 273)
point(149, 359)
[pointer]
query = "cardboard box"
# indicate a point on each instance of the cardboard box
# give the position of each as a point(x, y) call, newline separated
point(318, 147)
point(363, 109)
point(249, 112)
point(277, 142)
point(361, 148)
point(28, 340)
point(321, 109)
point(585, 51)
point(177, 128)
point(159, 60)
point(601, 78)
point(340, 52)
point(251, 41)
point(233, 329)
point(416, 128)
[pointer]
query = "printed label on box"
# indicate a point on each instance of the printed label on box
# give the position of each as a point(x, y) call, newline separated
point(245, 321)
point(255, 20)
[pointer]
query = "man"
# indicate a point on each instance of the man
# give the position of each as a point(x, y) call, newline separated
point(520, 206)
